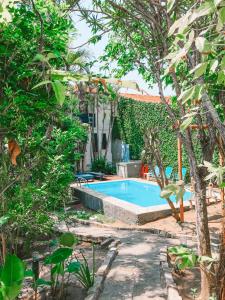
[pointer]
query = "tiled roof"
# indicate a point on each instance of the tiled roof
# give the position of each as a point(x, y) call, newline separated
point(144, 98)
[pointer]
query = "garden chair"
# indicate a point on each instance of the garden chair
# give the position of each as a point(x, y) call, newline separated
point(168, 172)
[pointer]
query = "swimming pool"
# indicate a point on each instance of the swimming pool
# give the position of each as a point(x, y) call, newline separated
point(135, 192)
point(130, 200)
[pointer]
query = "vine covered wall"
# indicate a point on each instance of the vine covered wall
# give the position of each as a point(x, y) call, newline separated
point(134, 117)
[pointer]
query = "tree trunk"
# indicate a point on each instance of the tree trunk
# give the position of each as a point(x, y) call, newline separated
point(202, 229)
point(220, 278)
point(203, 236)
point(215, 117)
point(175, 213)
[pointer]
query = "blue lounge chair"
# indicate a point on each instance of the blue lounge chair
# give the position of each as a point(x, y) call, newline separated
point(98, 175)
point(85, 176)
point(168, 171)
point(151, 174)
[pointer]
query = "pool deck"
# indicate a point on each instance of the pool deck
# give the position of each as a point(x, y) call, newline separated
point(119, 209)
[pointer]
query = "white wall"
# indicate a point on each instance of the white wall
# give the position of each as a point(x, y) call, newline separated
point(102, 112)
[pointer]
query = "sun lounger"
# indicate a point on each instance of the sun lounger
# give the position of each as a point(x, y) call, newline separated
point(84, 176)
point(169, 171)
point(98, 175)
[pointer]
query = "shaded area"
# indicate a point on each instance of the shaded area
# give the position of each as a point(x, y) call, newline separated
point(135, 273)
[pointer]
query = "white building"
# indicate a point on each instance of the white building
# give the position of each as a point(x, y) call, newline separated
point(100, 120)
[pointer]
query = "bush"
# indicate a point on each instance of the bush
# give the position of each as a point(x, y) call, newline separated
point(48, 135)
point(101, 165)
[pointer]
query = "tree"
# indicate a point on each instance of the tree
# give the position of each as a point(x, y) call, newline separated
point(152, 155)
point(199, 36)
point(139, 39)
point(40, 132)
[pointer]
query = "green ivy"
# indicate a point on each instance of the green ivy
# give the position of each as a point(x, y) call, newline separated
point(133, 119)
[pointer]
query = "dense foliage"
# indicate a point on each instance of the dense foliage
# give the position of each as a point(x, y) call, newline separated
point(134, 117)
point(100, 164)
point(132, 120)
point(45, 137)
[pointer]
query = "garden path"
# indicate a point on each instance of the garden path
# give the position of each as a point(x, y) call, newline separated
point(135, 273)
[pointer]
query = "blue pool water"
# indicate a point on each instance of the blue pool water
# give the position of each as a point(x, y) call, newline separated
point(139, 193)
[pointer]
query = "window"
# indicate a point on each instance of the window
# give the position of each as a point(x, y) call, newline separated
point(95, 142)
point(88, 118)
point(91, 119)
point(104, 141)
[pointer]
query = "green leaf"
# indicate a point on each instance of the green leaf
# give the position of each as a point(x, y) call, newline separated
point(68, 76)
point(213, 65)
point(40, 57)
point(2, 292)
point(41, 83)
point(186, 123)
point(203, 10)
point(12, 291)
point(180, 24)
point(41, 281)
point(202, 44)
point(168, 190)
point(68, 239)
point(223, 62)
point(191, 37)
point(4, 220)
point(206, 259)
point(180, 193)
point(186, 95)
point(195, 92)
point(57, 269)
point(58, 256)
point(29, 273)
point(51, 56)
point(186, 261)
point(222, 15)
point(13, 270)
point(217, 172)
point(178, 250)
point(12, 276)
point(73, 267)
point(221, 77)
point(60, 91)
point(170, 4)
point(185, 257)
point(199, 70)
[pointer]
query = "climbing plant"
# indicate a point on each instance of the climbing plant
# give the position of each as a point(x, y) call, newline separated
point(132, 120)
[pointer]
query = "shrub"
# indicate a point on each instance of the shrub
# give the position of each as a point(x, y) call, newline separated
point(101, 165)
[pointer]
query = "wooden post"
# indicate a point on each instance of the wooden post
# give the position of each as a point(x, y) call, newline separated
point(179, 149)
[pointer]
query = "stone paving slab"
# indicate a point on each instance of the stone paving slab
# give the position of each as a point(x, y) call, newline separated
point(135, 273)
